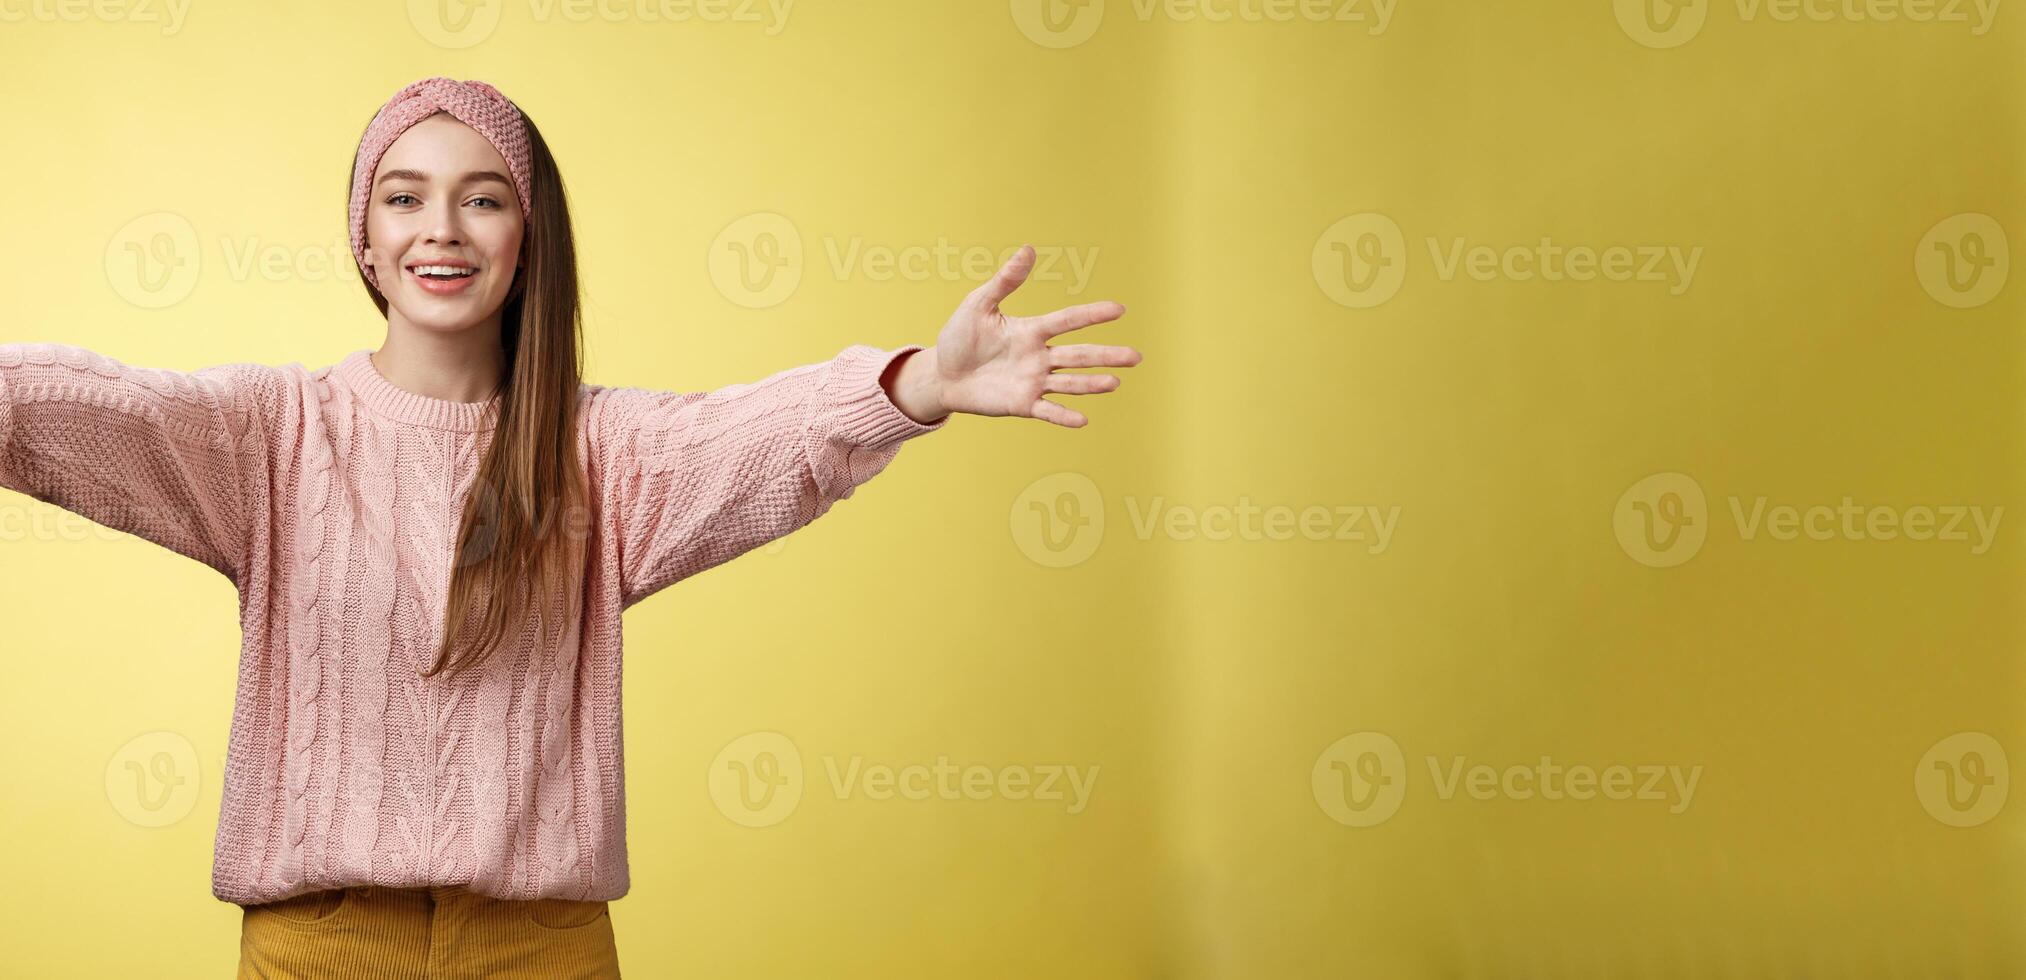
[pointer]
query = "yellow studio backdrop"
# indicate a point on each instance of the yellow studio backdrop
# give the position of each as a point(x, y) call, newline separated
point(1568, 523)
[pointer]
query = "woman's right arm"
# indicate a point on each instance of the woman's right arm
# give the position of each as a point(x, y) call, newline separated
point(167, 456)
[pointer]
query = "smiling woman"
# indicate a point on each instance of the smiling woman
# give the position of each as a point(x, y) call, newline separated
point(399, 213)
point(447, 177)
point(434, 541)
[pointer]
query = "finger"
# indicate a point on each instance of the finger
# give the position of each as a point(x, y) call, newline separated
point(1081, 384)
point(1049, 411)
point(1091, 355)
point(1008, 279)
point(1077, 317)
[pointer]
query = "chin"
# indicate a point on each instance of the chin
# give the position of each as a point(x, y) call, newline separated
point(436, 321)
point(439, 317)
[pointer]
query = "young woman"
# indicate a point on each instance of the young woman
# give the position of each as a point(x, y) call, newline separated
point(433, 542)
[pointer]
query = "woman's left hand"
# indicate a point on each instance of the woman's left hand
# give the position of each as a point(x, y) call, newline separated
point(988, 363)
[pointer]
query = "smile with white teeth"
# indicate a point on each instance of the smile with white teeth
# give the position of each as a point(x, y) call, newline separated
point(443, 271)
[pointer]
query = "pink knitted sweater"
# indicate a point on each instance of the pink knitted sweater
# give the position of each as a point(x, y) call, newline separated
point(330, 498)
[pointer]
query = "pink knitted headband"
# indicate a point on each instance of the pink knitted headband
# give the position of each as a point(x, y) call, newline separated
point(475, 104)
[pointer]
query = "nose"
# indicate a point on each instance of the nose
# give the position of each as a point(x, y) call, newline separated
point(442, 225)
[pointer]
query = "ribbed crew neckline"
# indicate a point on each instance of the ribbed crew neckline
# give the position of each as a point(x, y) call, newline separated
point(384, 398)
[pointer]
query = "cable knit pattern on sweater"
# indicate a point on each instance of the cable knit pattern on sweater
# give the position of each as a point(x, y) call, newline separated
point(330, 498)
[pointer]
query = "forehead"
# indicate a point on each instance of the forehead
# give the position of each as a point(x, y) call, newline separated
point(441, 145)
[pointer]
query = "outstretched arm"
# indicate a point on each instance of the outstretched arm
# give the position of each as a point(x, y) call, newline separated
point(694, 479)
point(163, 455)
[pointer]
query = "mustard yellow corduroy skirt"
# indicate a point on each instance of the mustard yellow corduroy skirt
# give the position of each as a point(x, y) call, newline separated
point(368, 933)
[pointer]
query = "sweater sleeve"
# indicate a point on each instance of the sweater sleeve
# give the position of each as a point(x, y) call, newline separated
point(154, 453)
point(699, 478)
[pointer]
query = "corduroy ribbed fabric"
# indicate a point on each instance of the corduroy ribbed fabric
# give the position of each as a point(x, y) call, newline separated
point(367, 933)
point(331, 499)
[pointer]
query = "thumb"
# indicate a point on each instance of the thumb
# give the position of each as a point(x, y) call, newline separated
point(1008, 279)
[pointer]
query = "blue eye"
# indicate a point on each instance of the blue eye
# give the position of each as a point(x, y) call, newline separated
point(495, 204)
point(391, 198)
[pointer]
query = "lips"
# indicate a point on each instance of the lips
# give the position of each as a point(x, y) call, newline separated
point(441, 286)
point(442, 266)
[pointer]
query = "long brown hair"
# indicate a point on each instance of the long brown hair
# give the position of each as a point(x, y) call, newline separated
point(510, 561)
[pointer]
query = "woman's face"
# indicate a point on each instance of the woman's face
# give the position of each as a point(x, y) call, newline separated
point(442, 195)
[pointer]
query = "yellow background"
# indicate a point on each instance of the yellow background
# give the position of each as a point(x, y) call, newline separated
point(1199, 162)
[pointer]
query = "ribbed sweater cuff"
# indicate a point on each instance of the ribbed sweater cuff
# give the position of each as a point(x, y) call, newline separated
point(862, 413)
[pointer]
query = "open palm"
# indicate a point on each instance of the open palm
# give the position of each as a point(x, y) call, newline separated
point(990, 363)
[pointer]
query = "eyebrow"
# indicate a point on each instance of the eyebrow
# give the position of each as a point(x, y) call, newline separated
point(475, 176)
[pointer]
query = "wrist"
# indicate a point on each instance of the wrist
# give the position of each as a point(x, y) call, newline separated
point(915, 386)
